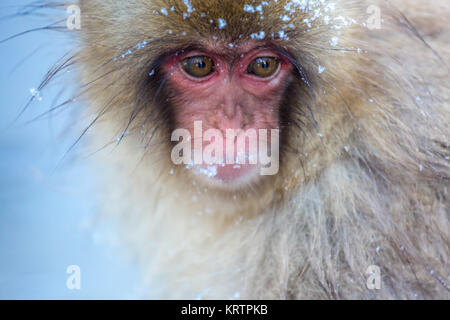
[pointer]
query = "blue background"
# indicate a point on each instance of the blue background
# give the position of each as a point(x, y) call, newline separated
point(47, 207)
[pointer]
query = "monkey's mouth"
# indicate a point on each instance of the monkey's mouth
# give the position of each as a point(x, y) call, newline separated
point(235, 162)
point(231, 173)
point(227, 175)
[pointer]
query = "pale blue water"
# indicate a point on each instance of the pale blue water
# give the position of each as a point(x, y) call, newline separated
point(46, 209)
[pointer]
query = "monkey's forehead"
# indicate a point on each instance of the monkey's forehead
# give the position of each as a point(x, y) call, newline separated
point(237, 19)
point(232, 20)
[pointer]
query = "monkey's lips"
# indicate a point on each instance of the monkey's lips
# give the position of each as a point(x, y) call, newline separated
point(228, 173)
point(236, 160)
point(231, 172)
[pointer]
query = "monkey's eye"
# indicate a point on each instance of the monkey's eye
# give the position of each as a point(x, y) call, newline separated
point(199, 66)
point(264, 67)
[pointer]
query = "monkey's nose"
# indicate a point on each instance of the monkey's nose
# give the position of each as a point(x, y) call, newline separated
point(230, 110)
point(231, 116)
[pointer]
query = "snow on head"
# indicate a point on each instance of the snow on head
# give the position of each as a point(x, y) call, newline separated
point(222, 23)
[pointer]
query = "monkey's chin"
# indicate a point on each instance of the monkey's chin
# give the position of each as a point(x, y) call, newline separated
point(228, 176)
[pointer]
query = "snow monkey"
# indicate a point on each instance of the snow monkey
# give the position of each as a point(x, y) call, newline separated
point(351, 98)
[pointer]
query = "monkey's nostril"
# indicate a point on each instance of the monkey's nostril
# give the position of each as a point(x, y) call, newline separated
point(230, 110)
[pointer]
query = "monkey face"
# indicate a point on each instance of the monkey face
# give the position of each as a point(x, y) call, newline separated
point(228, 100)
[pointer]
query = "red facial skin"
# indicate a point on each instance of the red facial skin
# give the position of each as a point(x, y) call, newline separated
point(229, 98)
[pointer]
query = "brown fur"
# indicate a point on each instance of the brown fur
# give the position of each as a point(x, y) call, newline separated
point(365, 171)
